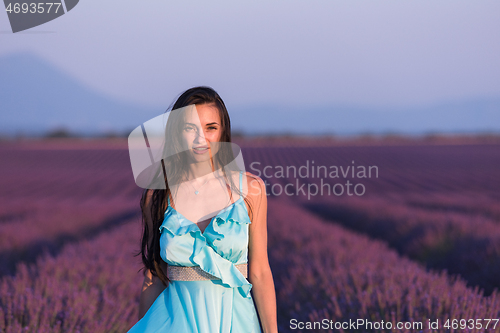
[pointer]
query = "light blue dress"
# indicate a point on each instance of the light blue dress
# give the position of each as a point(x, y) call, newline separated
point(205, 306)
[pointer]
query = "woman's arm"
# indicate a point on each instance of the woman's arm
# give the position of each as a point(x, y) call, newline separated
point(260, 275)
point(152, 287)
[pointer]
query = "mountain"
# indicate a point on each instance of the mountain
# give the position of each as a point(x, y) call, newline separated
point(36, 97)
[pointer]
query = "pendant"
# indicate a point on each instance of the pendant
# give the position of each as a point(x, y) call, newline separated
point(196, 192)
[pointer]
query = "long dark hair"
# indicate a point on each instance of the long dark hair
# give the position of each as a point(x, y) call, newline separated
point(150, 250)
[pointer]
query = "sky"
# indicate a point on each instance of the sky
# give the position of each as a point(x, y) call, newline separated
point(371, 54)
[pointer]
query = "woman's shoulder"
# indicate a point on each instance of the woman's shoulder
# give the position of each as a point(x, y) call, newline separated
point(253, 186)
point(252, 177)
point(247, 176)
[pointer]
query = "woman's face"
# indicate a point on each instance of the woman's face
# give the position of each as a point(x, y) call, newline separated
point(202, 127)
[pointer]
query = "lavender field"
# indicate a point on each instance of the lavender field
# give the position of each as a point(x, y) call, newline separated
point(421, 243)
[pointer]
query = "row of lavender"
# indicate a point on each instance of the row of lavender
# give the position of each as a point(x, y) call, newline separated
point(321, 271)
point(326, 272)
point(90, 286)
point(395, 169)
point(52, 197)
point(33, 229)
point(438, 205)
point(388, 170)
point(463, 244)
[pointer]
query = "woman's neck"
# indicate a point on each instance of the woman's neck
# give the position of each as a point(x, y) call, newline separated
point(201, 172)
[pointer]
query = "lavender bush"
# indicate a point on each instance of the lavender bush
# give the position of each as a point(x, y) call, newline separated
point(462, 244)
point(91, 286)
point(324, 271)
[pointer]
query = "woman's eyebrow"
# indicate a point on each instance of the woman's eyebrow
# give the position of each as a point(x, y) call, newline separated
point(214, 123)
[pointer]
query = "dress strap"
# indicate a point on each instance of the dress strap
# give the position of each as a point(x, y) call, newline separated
point(241, 188)
point(241, 181)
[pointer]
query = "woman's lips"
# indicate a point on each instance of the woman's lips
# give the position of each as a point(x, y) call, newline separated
point(200, 150)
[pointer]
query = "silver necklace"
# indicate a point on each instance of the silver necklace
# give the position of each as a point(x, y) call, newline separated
point(197, 191)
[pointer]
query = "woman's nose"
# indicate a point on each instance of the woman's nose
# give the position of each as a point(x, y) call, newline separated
point(200, 135)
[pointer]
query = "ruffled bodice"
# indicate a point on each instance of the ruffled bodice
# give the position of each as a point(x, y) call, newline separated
point(221, 246)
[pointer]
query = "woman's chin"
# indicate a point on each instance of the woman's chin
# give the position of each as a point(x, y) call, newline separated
point(197, 158)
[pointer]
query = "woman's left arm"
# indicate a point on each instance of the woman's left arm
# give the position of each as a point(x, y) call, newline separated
point(259, 274)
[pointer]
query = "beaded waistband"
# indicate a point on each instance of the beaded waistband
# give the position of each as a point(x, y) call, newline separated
point(195, 273)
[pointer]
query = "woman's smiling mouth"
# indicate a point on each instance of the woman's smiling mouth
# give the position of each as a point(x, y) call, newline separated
point(200, 149)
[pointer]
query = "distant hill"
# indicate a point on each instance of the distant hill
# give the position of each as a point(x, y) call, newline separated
point(467, 116)
point(36, 97)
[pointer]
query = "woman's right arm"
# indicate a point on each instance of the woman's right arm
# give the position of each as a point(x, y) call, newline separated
point(151, 289)
point(152, 286)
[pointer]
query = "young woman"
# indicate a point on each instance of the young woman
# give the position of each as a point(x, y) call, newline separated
point(200, 266)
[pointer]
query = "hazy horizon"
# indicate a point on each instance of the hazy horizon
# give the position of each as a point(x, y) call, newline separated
point(360, 67)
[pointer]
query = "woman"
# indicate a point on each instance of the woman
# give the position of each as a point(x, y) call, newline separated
point(197, 262)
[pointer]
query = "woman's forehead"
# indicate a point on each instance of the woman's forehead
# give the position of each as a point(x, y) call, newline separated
point(202, 114)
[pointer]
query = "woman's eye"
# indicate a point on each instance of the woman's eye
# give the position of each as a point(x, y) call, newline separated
point(212, 127)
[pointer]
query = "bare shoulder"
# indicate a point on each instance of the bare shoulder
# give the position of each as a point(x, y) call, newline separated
point(254, 189)
point(253, 185)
